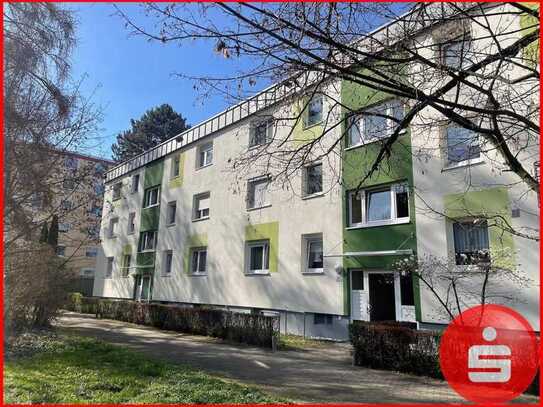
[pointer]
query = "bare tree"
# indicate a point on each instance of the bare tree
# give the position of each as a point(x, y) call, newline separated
point(445, 63)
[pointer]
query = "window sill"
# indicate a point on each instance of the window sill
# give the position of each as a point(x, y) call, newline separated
point(169, 225)
point(257, 146)
point(151, 206)
point(203, 166)
point(316, 195)
point(198, 275)
point(257, 273)
point(377, 224)
point(130, 233)
point(166, 275)
point(258, 207)
point(200, 219)
point(112, 237)
point(373, 141)
point(463, 164)
point(313, 273)
point(310, 126)
point(147, 251)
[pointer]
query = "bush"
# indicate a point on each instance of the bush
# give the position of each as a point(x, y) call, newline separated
point(245, 328)
point(395, 347)
point(75, 302)
point(37, 286)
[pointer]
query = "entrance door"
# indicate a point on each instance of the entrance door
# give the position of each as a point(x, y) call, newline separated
point(382, 297)
point(359, 296)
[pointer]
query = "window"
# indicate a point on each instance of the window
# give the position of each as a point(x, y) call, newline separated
point(462, 145)
point(471, 242)
point(312, 180)
point(147, 241)
point(60, 250)
point(406, 289)
point(113, 225)
point(379, 206)
point(198, 260)
point(117, 191)
point(205, 155)
point(175, 164)
point(135, 183)
point(314, 255)
point(257, 193)
point(127, 259)
point(109, 267)
point(454, 54)
point(99, 169)
point(261, 133)
point(64, 227)
point(151, 197)
point(70, 163)
point(258, 257)
point(66, 204)
point(201, 206)
point(314, 111)
point(321, 319)
point(131, 223)
point(99, 189)
point(91, 252)
point(168, 260)
point(68, 184)
point(375, 123)
point(172, 207)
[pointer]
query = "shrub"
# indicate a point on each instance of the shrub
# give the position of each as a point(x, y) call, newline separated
point(395, 347)
point(75, 301)
point(37, 286)
point(245, 328)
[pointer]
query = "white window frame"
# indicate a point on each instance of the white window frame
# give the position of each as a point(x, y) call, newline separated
point(111, 231)
point(175, 170)
point(308, 240)
point(147, 194)
point(110, 265)
point(394, 220)
point(305, 181)
point(468, 161)
point(265, 244)
point(172, 204)
point(270, 127)
point(357, 121)
point(125, 270)
point(204, 149)
point(131, 226)
point(135, 183)
point(117, 189)
point(470, 266)
point(144, 241)
point(315, 98)
point(64, 251)
point(167, 269)
point(263, 179)
point(198, 251)
point(196, 216)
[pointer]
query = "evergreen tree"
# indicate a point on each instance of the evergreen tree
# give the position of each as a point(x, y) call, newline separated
point(52, 238)
point(155, 126)
point(44, 234)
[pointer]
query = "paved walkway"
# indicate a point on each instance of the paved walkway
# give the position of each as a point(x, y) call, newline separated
point(314, 375)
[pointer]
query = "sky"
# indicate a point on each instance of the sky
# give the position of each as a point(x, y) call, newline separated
point(127, 75)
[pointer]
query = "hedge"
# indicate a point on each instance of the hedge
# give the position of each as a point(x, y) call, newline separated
point(395, 347)
point(245, 328)
point(401, 348)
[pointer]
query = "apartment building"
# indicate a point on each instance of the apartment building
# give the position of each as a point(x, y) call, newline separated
point(181, 224)
point(77, 189)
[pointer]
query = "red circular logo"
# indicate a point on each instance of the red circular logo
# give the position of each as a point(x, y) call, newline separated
point(488, 354)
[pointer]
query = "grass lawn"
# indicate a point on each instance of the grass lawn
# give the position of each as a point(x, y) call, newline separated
point(295, 342)
point(69, 369)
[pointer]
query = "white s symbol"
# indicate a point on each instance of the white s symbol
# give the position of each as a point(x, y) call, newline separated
point(475, 362)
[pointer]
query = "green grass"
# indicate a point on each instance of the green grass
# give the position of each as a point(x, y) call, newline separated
point(295, 342)
point(79, 370)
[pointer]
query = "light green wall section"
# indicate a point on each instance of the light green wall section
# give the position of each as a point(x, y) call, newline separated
point(528, 24)
point(127, 249)
point(192, 242)
point(266, 231)
point(493, 204)
point(178, 181)
point(301, 134)
point(356, 164)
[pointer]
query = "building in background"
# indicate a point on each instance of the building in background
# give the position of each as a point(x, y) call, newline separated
point(181, 226)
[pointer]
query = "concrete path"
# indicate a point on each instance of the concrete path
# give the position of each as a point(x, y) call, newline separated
point(314, 375)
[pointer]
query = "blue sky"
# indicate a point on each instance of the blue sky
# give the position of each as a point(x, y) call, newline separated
point(128, 75)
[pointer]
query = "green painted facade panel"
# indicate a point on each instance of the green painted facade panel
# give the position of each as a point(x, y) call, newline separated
point(150, 218)
point(266, 231)
point(153, 174)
